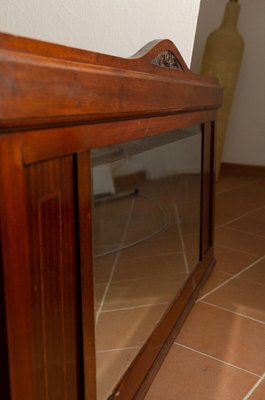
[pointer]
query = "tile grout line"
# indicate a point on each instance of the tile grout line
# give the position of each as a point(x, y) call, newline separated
point(234, 249)
point(147, 256)
point(132, 308)
point(223, 272)
point(241, 216)
point(230, 279)
point(115, 262)
point(178, 275)
point(239, 186)
point(181, 239)
point(252, 390)
point(233, 312)
point(246, 232)
point(118, 349)
point(153, 239)
point(239, 277)
point(216, 359)
point(158, 254)
point(251, 281)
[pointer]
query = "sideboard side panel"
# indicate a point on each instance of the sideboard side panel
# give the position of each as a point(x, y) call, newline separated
point(15, 270)
point(53, 269)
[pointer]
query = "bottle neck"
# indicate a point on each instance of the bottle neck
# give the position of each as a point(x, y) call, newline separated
point(231, 14)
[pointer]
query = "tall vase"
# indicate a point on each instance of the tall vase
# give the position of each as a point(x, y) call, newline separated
point(222, 59)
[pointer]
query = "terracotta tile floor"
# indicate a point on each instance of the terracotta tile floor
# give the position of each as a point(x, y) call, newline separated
point(220, 352)
point(138, 283)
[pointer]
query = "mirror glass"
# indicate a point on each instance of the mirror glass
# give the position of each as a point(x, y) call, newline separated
point(146, 232)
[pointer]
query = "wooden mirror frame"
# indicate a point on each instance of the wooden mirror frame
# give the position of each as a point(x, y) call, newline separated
point(57, 103)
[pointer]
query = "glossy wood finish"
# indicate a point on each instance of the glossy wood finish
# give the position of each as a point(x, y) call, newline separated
point(207, 199)
point(15, 251)
point(50, 203)
point(4, 376)
point(48, 143)
point(83, 192)
point(56, 103)
point(60, 89)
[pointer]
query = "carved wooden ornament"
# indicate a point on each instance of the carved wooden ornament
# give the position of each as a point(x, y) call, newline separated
point(167, 60)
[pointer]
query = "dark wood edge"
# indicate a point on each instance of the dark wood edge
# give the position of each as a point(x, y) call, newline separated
point(202, 211)
point(16, 273)
point(61, 89)
point(173, 336)
point(208, 187)
point(4, 359)
point(242, 169)
point(156, 347)
point(213, 178)
point(86, 344)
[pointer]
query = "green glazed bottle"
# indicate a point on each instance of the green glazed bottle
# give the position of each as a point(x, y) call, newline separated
point(222, 58)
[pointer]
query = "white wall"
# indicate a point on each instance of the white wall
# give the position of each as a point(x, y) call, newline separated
point(119, 27)
point(245, 140)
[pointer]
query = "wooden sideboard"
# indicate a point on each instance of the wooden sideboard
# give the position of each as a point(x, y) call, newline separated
point(56, 104)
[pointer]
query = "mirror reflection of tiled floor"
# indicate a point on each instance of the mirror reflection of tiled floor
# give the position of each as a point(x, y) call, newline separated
point(220, 351)
point(134, 286)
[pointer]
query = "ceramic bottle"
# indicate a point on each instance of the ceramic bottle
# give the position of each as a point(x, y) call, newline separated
point(222, 59)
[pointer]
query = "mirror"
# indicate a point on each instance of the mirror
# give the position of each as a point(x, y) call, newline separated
point(146, 235)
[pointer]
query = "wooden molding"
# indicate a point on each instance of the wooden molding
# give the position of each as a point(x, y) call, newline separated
point(242, 169)
point(60, 85)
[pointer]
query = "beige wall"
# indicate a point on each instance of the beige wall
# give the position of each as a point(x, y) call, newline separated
point(119, 27)
point(245, 141)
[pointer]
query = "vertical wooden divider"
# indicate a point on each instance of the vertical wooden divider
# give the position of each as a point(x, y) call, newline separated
point(86, 271)
point(15, 270)
point(207, 199)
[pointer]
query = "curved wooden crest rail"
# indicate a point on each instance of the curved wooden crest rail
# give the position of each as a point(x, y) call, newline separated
point(56, 103)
